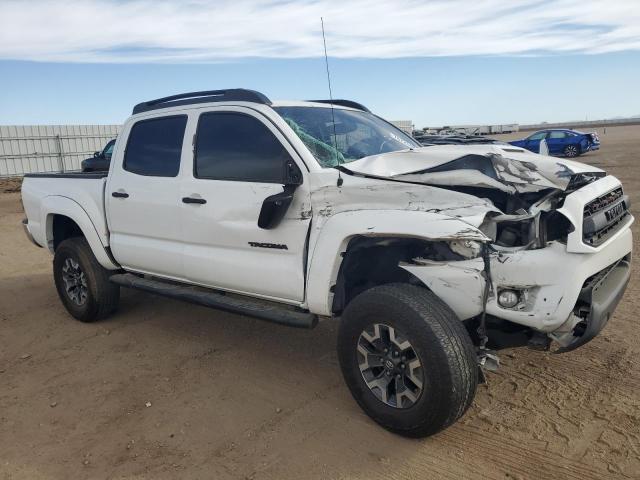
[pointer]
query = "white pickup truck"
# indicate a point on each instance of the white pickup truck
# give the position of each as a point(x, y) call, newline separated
point(432, 257)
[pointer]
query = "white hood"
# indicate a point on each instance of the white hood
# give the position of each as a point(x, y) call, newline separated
point(504, 167)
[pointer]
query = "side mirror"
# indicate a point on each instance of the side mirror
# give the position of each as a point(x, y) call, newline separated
point(275, 206)
point(96, 154)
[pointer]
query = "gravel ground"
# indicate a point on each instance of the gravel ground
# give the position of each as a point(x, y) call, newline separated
point(165, 389)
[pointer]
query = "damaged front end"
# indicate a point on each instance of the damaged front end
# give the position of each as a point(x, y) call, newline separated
point(526, 190)
point(555, 261)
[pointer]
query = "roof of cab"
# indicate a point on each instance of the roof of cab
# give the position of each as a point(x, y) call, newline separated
point(234, 95)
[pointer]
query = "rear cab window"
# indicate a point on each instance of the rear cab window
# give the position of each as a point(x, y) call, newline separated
point(154, 146)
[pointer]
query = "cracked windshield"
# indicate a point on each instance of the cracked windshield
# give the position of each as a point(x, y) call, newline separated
point(357, 134)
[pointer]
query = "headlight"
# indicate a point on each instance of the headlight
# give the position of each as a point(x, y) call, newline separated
point(466, 248)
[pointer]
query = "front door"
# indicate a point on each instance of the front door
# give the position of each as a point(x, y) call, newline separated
point(533, 142)
point(241, 159)
point(143, 197)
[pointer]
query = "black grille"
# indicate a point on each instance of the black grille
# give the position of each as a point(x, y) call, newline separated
point(602, 202)
point(604, 216)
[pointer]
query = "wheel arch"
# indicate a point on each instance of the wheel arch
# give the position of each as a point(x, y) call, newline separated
point(398, 234)
point(357, 273)
point(64, 218)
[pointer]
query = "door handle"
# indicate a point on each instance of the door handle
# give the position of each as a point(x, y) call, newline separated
point(120, 195)
point(199, 201)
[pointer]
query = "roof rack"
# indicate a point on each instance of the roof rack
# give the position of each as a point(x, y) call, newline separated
point(233, 94)
point(344, 103)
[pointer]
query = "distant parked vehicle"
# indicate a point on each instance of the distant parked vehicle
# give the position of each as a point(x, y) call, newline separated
point(457, 140)
point(100, 160)
point(567, 143)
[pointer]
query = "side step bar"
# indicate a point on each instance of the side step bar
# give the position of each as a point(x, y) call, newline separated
point(265, 310)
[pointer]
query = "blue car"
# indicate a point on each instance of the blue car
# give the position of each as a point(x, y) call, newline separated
point(566, 143)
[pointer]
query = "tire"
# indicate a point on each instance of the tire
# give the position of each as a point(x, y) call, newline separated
point(92, 296)
point(448, 367)
point(571, 151)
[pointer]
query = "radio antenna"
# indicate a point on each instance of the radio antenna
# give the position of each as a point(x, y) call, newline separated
point(333, 118)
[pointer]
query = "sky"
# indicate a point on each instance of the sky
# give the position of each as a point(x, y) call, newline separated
point(433, 62)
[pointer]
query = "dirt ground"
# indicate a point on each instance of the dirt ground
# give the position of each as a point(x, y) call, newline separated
point(169, 390)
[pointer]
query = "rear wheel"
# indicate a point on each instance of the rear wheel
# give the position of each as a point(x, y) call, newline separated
point(407, 359)
point(82, 283)
point(571, 151)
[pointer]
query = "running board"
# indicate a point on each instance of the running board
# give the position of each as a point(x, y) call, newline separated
point(265, 310)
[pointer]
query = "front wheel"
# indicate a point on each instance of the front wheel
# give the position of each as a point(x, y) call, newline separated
point(83, 284)
point(407, 359)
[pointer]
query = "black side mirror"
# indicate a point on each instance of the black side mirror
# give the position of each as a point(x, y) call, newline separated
point(96, 154)
point(275, 206)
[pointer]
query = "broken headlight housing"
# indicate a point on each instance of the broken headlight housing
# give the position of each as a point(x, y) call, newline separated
point(466, 248)
point(527, 231)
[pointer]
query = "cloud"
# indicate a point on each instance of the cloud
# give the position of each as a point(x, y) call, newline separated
point(220, 30)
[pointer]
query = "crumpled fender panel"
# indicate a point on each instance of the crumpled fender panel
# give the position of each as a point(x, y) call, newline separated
point(360, 193)
point(459, 284)
point(332, 239)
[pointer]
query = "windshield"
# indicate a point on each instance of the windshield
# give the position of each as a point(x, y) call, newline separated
point(354, 134)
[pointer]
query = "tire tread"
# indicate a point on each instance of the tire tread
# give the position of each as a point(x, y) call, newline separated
point(106, 295)
point(452, 337)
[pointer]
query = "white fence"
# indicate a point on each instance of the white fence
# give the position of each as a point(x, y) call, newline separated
point(584, 124)
point(50, 148)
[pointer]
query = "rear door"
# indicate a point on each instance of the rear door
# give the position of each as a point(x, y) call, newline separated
point(143, 197)
point(240, 159)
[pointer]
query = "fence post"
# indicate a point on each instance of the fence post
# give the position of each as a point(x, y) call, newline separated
point(60, 154)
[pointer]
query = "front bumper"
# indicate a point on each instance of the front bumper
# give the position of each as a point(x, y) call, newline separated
point(551, 280)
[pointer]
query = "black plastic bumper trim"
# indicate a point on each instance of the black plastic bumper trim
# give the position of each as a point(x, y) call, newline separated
point(604, 297)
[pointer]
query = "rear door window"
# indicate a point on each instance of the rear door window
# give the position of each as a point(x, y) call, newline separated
point(557, 135)
point(154, 146)
point(239, 147)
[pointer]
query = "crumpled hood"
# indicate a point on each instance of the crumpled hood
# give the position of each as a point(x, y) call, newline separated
point(504, 167)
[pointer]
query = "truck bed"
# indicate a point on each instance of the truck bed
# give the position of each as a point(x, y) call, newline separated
point(73, 192)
